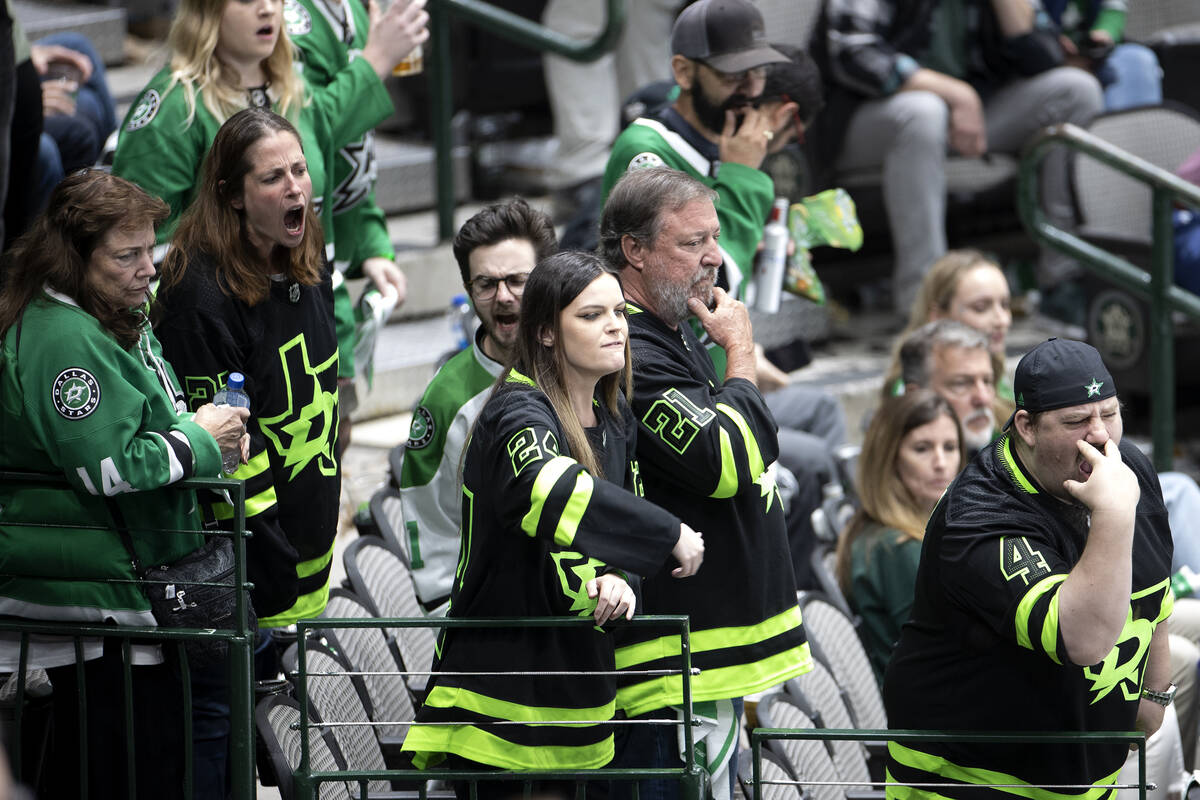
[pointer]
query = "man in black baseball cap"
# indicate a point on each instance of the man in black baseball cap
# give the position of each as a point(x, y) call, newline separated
point(1044, 576)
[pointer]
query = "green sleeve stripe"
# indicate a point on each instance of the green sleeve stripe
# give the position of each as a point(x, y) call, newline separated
point(414, 544)
point(458, 697)
point(254, 505)
point(937, 765)
point(307, 606)
point(547, 478)
point(1050, 631)
point(718, 683)
point(727, 484)
point(314, 565)
point(1025, 608)
point(255, 466)
point(710, 639)
point(472, 743)
point(754, 459)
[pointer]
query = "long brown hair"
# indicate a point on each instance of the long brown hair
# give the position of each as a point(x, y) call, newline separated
point(552, 286)
point(197, 69)
point(885, 498)
point(56, 250)
point(212, 226)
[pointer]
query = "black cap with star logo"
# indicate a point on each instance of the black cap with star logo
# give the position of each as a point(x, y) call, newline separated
point(1060, 373)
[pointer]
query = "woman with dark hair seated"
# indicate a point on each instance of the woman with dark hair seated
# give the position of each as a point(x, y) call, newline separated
point(85, 393)
point(910, 454)
point(551, 515)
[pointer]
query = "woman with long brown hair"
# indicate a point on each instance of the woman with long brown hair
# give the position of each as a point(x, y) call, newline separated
point(553, 525)
point(85, 393)
point(911, 452)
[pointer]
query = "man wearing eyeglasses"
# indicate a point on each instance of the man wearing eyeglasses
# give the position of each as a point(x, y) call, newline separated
point(496, 250)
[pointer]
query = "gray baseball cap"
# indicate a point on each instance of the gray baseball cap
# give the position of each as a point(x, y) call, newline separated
point(728, 35)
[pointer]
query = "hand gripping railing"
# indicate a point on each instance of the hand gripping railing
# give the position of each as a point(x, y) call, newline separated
point(241, 764)
point(513, 27)
point(1136, 739)
point(1157, 286)
point(307, 782)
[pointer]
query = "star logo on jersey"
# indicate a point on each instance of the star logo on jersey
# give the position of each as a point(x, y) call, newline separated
point(146, 110)
point(75, 393)
point(1093, 388)
point(420, 432)
point(351, 190)
point(769, 488)
point(307, 430)
point(574, 572)
point(296, 18)
point(1123, 666)
point(645, 161)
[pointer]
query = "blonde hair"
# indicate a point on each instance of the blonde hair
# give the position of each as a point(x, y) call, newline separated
point(885, 498)
point(198, 70)
point(933, 300)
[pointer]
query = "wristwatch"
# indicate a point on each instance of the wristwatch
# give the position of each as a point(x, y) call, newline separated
point(1163, 698)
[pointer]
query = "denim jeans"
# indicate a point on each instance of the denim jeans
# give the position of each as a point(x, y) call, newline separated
point(1130, 77)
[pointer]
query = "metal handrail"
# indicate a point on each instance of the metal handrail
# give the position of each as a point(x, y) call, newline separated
point(1157, 286)
point(307, 781)
point(1135, 739)
point(241, 734)
point(507, 25)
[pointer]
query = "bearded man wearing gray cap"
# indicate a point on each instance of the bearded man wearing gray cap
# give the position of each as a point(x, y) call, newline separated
point(1042, 596)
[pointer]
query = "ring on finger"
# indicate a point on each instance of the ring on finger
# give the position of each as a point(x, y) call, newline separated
point(769, 134)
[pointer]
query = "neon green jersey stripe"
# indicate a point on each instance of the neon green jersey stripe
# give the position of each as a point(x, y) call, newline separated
point(753, 454)
point(254, 466)
point(937, 765)
point(1025, 608)
point(254, 505)
point(727, 483)
point(1011, 464)
point(314, 565)
point(456, 697)
point(307, 606)
point(577, 503)
point(710, 639)
point(488, 748)
point(716, 684)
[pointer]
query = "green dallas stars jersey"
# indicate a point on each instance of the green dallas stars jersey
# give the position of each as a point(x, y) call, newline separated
point(113, 422)
point(330, 34)
point(429, 484)
point(536, 527)
point(707, 451)
point(983, 650)
point(286, 348)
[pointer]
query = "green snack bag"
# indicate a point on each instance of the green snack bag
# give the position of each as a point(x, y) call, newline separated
point(828, 218)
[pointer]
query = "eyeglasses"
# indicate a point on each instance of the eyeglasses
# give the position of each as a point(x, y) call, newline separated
point(737, 78)
point(484, 287)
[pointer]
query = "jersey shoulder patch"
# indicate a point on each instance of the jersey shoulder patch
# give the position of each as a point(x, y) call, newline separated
point(147, 110)
point(646, 160)
point(75, 393)
point(296, 18)
point(420, 432)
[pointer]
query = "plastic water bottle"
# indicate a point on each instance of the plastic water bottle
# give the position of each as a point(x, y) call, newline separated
point(1185, 582)
point(769, 269)
point(232, 395)
point(462, 321)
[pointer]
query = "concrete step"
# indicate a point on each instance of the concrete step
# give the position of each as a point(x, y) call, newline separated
point(104, 26)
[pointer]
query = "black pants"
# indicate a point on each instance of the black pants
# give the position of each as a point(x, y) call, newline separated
point(157, 734)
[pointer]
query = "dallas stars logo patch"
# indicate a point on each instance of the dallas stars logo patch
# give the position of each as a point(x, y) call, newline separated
point(75, 393)
point(146, 110)
point(1093, 388)
point(645, 161)
point(296, 19)
point(306, 431)
point(420, 433)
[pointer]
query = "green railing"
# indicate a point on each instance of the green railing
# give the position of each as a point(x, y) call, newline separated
point(516, 29)
point(1135, 739)
point(307, 782)
point(1157, 286)
point(241, 765)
